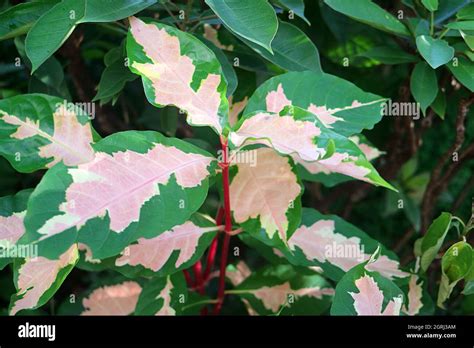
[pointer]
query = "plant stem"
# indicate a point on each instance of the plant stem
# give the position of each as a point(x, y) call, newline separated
point(228, 228)
point(187, 276)
point(211, 255)
point(177, 22)
point(443, 33)
point(432, 24)
point(223, 265)
point(198, 277)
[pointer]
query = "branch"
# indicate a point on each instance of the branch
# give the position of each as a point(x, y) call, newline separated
point(106, 120)
point(438, 182)
point(228, 228)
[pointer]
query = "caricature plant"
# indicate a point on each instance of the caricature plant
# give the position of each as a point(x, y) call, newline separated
point(209, 211)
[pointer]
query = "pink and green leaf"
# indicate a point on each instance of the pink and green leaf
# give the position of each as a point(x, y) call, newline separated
point(330, 179)
point(284, 290)
point(365, 293)
point(314, 147)
point(119, 299)
point(37, 131)
point(171, 251)
point(178, 69)
point(338, 104)
point(12, 228)
point(163, 296)
point(139, 184)
point(337, 246)
point(419, 301)
point(265, 197)
point(37, 279)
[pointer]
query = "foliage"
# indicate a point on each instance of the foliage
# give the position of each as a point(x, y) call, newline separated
point(231, 130)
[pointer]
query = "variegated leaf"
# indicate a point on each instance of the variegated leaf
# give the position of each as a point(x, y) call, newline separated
point(338, 104)
point(312, 145)
point(171, 251)
point(271, 254)
point(362, 292)
point(284, 290)
point(337, 246)
point(238, 273)
point(37, 279)
point(370, 151)
point(235, 108)
point(120, 299)
point(178, 69)
point(266, 197)
point(12, 214)
point(419, 301)
point(329, 178)
point(139, 184)
point(37, 131)
point(163, 296)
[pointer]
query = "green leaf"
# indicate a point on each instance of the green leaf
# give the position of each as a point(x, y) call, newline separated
point(468, 39)
point(12, 212)
point(329, 242)
point(255, 21)
point(466, 13)
point(436, 52)
point(455, 265)
point(184, 72)
point(55, 26)
point(463, 70)
point(468, 288)
point(424, 85)
point(439, 104)
point(285, 290)
point(17, 20)
point(337, 103)
point(431, 5)
point(362, 292)
point(292, 49)
point(447, 9)
point(469, 280)
point(368, 12)
point(433, 239)
point(163, 296)
point(164, 181)
point(297, 6)
point(38, 131)
point(273, 255)
point(464, 25)
point(227, 68)
point(389, 55)
point(114, 77)
point(99, 11)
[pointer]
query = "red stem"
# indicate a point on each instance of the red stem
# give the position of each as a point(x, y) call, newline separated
point(211, 255)
point(187, 276)
point(198, 277)
point(228, 229)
